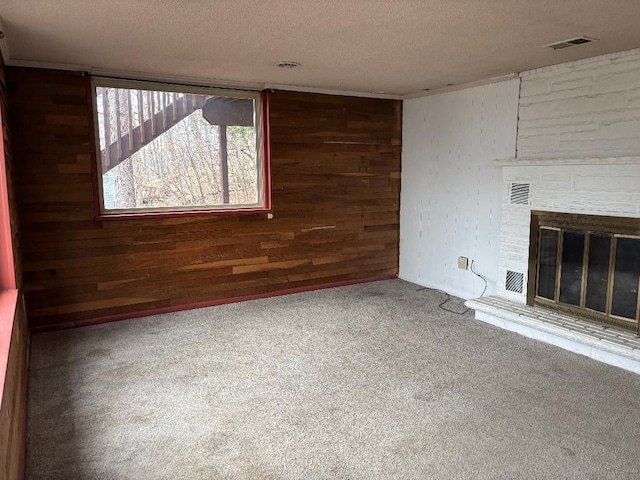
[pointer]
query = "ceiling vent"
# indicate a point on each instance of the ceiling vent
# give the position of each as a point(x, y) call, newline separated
point(287, 64)
point(572, 42)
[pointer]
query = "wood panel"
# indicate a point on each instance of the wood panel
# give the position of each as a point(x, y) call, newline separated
point(13, 406)
point(336, 180)
point(13, 409)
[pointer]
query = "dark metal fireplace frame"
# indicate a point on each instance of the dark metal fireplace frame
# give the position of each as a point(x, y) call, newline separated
point(616, 227)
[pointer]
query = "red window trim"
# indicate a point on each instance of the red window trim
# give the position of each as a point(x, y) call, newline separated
point(7, 266)
point(8, 303)
point(8, 292)
point(99, 215)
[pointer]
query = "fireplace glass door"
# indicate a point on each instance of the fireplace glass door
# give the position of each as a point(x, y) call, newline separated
point(595, 274)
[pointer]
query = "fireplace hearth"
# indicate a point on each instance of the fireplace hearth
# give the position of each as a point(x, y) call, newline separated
point(587, 266)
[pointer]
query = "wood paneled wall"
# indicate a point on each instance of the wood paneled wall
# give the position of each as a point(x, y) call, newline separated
point(336, 180)
point(13, 401)
point(13, 409)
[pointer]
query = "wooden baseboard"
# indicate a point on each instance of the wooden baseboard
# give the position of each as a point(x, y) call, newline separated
point(13, 388)
point(212, 303)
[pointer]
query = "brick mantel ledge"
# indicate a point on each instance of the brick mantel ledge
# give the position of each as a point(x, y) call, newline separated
point(539, 161)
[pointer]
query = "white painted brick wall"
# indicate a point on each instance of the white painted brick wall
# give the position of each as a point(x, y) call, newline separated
point(578, 110)
point(588, 108)
point(450, 195)
point(584, 109)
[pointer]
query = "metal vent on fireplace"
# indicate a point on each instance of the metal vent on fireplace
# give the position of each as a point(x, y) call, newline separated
point(520, 193)
point(514, 282)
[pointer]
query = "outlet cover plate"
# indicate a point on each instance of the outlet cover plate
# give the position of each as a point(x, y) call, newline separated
point(463, 263)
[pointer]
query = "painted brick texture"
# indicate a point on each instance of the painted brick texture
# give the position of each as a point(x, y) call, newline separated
point(588, 108)
point(450, 195)
point(578, 146)
point(596, 189)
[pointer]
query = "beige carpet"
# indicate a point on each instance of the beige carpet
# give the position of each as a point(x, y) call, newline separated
point(363, 382)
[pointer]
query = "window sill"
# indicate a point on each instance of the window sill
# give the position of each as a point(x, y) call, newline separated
point(185, 213)
point(8, 303)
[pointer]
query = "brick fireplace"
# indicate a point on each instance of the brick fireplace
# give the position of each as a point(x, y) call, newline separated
point(603, 187)
point(595, 186)
point(578, 153)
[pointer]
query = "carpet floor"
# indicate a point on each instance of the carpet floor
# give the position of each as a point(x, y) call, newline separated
point(364, 382)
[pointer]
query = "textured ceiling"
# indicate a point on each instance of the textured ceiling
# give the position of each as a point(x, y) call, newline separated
point(398, 47)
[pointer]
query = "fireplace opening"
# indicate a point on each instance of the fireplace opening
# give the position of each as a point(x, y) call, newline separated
point(586, 265)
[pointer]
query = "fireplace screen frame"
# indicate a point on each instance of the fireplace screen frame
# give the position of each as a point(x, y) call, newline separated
point(616, 227)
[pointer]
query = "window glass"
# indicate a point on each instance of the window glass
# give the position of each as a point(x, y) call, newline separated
point(170, 148)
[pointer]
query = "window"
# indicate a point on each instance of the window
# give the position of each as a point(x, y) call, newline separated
point(7, 265)
point(168, 149)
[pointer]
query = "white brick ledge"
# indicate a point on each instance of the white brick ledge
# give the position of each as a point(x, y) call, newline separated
point(607, 345)
point(532, 161)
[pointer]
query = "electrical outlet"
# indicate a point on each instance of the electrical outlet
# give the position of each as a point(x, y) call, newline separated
point(463, 263)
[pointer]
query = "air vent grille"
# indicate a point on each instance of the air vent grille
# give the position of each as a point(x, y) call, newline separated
point(514, 282)
point(572, 42)
point(520, 193)
point(287, 64)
